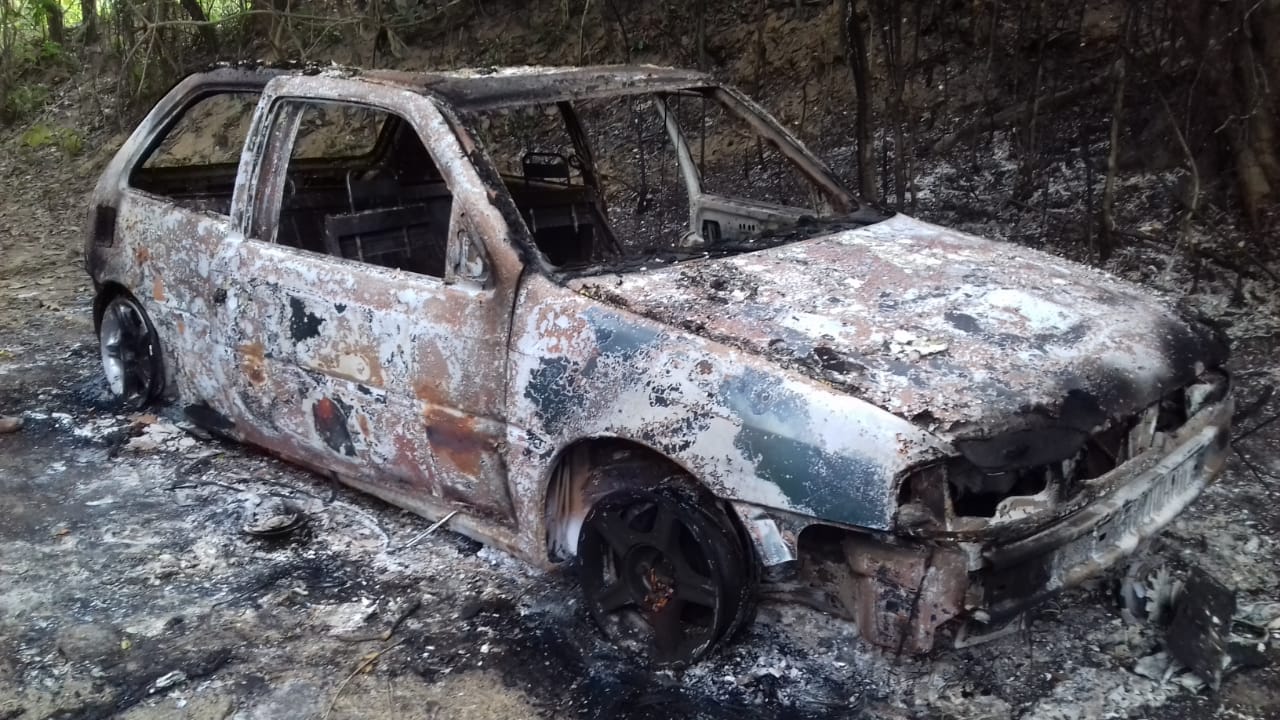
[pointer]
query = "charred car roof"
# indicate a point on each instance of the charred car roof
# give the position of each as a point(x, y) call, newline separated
point(488, 88)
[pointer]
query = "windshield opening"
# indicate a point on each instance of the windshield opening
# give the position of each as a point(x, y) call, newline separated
point(663, 177)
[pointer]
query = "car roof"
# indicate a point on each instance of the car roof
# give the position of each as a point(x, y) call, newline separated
point(489, 88)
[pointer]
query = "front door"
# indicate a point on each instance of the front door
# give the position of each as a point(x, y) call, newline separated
point(363, 350)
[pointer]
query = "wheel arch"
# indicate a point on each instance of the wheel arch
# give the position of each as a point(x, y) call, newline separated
point(108, 290)
point(569, 492)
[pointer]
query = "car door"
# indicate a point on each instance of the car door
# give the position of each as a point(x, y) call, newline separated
point(172, 225)
point(366, 315)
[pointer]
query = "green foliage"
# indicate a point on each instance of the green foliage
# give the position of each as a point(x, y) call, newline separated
point(22, 100)
point(65, 139)
point(29, 60)
point(51, 51)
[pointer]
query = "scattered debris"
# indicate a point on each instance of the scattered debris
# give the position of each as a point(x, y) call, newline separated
point(409, 608)
point(1149, 595)
point(909, 346)
point(1200, 633)
point(272, 516)
point(437, 525)
point(168, 680)
point(156, 434)
point(1163, 668)
point(364, 665)
point(1205, 638)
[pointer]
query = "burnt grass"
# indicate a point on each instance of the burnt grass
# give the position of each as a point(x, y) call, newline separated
point(238, 623)
point(536, 645)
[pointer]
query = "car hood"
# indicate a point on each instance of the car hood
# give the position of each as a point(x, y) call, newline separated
point(964, 336)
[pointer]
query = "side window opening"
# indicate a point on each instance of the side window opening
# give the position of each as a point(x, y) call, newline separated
point(195, 159)
point(648, 205)
point(535, 152)
point(361, 185)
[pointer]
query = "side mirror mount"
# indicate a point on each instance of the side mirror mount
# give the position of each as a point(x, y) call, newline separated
point(467, 260)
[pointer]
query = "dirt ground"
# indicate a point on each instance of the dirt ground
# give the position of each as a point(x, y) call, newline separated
point(129, 589)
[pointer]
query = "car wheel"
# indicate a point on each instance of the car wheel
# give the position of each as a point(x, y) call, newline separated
point(664, 573)
point(130, 352)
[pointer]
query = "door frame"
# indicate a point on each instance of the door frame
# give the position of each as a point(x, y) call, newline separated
point(482, 266)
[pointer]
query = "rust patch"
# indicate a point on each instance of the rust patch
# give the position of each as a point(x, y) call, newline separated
point(157, 289)
point(902, 594)
point(426, 390)
point(254, 362)
point(455, 441)
point(410, 466)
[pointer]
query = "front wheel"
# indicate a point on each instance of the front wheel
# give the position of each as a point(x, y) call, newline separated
point(130, 352)
point(664, 573)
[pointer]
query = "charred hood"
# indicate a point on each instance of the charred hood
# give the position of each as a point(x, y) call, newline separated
point(963, 336)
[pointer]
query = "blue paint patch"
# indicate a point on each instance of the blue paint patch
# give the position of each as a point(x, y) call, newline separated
point(553, 392)
point(617, 338)
point(841, 488)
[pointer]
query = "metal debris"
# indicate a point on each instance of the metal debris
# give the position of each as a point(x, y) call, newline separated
point(1205, 636)
point(271, 516)
point(166, 681)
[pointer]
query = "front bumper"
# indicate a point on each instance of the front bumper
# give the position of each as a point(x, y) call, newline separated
point(1022, 573)
point(902, 594)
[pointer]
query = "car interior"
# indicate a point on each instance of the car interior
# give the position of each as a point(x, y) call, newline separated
point(360, 184)
point(387, 205)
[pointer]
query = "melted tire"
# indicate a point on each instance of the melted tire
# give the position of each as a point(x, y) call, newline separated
point(664, 573)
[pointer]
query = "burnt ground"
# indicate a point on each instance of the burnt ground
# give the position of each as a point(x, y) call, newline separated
point(128, 587)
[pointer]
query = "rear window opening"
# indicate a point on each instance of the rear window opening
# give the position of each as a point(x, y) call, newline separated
point(194, 161)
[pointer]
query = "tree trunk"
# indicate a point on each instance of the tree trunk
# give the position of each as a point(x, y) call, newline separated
point(1106, 239)
point(53, 20)
point(89, 20)
point(1258, 149)
point(762, 16)
point(6, 55)
point(856, 52)
point(701, 31)
point(208, 35)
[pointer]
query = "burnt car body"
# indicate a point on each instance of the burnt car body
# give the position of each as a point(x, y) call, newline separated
point(900, 423)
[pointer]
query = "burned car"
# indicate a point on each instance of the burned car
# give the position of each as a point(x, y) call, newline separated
point(620, 317)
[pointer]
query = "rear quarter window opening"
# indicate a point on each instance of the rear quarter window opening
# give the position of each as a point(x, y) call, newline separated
point(194, 159)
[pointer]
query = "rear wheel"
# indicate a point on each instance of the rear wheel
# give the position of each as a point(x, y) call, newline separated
point(130, 352)
point(664, 573)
